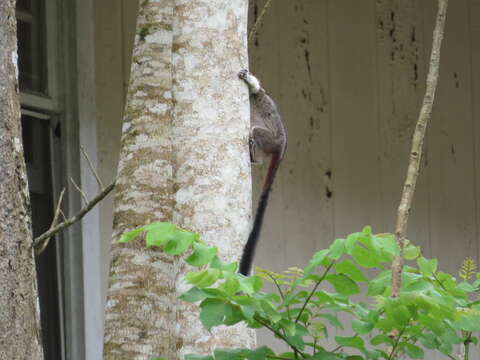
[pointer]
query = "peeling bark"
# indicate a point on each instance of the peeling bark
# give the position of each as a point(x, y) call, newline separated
point(184, 159)
point(19, 315)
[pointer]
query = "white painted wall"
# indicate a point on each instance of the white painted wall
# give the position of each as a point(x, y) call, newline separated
point(349, 77)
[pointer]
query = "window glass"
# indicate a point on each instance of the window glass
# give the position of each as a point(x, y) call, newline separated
point(31, 46)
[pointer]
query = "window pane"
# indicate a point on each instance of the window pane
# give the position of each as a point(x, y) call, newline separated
point(36, 143)
point(31, 46)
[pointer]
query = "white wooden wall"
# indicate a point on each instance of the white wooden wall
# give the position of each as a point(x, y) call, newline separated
point(349, 77)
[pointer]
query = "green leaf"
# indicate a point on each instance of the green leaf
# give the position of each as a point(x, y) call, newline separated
point(260, 353)
point(214, 312)
point(158, 233)
point(319, 258)
point(381, 339)
point(270, 310)
point(411, 252)
point(323, 355)
point(193, 295)
point(337, 249)
point(129, 236)
point(350, 341)
point(378, 284)
point(198, 357)
point(413, 351)
point(351, 241)
point(220, 265)
point(332, 319)
point(231, 285)
point(365, 258)
point(427, 267)
point(230, 354)
point(343, 284)
point(179, 241)
point(468, 323)
point(348, 268)
point(202, 254)
point(361, 327)
point(204, 278)
point(251, 284)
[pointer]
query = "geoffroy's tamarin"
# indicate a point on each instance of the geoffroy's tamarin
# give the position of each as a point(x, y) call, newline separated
point(268, 134)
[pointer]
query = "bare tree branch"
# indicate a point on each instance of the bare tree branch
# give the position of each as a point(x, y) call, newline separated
point(92, 169)
point(84, 197)
point(58, 212)
point(417, 144)
point(259, 20)
point(38, 243)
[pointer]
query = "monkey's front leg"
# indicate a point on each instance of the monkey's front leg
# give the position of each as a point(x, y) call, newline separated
point(250, 80)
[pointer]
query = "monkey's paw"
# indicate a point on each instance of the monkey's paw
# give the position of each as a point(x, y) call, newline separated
point(250, 80)
point(243, 74)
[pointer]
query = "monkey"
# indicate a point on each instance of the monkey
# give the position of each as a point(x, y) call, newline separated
point(268, 134)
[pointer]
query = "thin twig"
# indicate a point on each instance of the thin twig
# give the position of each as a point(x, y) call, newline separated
point(58, 211)
point(313, 291)
point(84, 197)
point(37, 243)
point(279, 334)
point(417, 144)
point(92, 169)
point(259, 20)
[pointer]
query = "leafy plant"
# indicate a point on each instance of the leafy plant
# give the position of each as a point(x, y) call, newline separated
point(434, 311)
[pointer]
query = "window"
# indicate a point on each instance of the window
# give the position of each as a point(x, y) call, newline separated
point(40, 132)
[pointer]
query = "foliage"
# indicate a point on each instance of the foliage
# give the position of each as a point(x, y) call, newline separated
point(433, 311)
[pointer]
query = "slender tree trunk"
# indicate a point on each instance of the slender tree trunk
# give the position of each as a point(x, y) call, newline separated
point(209, 142)
point(184, 159)
point(19, 312)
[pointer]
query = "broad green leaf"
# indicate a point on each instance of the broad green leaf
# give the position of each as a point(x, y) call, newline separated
point(351, 241)
point(158, 233)
point(230, 354)
point(213, 312)
point(427, 267)
point(198, 357)
point(129, 236)
point(468, 323)
point(231, 285)
point(343, 284)
point(361, 327)
point(413, 351)
point(270, 311)
point(332, 319)
point(365, 258)
point(348, 268)
point(319, 258)
point(179, 241)
point(324, 355)
point(193, 295)
point(337, 249)
point(250, 284)
point(401, 315)
point(378, 284)
point(220, 265)
point(204, 278)
point(411, 252)
point(388, 243)
point(202, 254)
point(350, 341)
point(381, 339)
point(260, 353)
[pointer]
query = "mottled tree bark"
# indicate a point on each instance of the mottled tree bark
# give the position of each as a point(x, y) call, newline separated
point(184, 159)
point(19, 311)
point(209, 141)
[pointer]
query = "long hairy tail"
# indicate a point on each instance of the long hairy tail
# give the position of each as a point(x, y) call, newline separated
point(249, 249)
